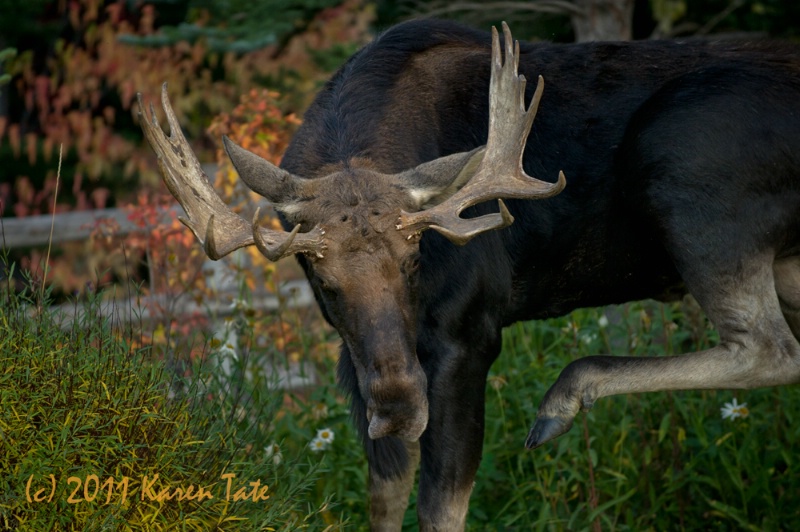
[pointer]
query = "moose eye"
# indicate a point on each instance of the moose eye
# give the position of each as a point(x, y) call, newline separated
point(327, 287)
point(411, 264)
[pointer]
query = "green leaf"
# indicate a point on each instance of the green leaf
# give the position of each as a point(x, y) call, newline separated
point(663, 427)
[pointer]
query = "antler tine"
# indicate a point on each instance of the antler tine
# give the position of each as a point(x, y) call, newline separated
point(500, 174)
point(290, 243)
point(218, 228)
point(215, 225)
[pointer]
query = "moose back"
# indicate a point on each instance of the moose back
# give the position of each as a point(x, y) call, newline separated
point(683, 168)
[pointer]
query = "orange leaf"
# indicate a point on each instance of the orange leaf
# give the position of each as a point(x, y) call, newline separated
point(14, 139)
point(30, 145)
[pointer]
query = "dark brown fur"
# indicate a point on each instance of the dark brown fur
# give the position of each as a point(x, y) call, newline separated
point(683, 169)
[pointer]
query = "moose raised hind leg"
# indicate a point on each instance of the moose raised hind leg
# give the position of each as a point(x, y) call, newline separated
point(787, 284)
point(757, 348)
point(731, 225)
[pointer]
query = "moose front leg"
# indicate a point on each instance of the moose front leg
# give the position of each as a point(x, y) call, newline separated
point(755, 315)
point(452, 444)
point(451, 450)
point(388, 495)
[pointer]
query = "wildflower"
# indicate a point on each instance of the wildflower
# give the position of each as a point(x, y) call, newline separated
point(602, 321)
point(317, 445)
point(239, 304)
point(325, 435)
point(273, 451)
point(497, 382)
point(633, 342)
point(319, 411)
point(228, 350)
point(571, 328)
point(733, 410)
point(645, 318)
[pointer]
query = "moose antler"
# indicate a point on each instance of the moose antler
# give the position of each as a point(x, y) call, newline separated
point(499, 174)
point(215, 225)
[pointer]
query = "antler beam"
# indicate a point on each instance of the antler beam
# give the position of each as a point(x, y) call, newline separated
point(215, 225)
point(500, 174)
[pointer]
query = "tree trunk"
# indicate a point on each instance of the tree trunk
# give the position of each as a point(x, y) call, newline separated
point(603, 20)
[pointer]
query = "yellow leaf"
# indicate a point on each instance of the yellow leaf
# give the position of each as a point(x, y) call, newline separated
point(108, 395)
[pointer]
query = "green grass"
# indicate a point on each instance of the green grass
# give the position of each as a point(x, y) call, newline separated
point(660, 461)
point(87, 401)
point(96, 434)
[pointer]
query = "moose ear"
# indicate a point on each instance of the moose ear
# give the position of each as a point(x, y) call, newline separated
point(433, 182)
point(261, 176)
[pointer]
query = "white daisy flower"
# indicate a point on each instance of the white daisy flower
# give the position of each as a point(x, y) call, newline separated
point(227, 350)
point(733, 410)
point(238, 304)
point(273, 451)
point(317, 445)
point(325, 435)
point(319, 411)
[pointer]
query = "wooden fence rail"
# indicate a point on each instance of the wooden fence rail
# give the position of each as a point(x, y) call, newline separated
point(291, 294)
point(32, 231)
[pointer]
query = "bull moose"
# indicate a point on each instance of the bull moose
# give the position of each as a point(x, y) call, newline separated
point(683, 164)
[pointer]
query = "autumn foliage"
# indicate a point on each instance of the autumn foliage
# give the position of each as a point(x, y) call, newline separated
point(80, 94)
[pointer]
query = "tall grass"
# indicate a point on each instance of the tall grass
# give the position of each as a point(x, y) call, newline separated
point(97, 434)
point(660, 461)
point(81, 401)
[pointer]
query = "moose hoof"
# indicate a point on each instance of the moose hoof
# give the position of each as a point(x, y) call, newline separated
point(545, 429)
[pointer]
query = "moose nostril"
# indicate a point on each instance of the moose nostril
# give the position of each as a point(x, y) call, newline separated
point(379, 427)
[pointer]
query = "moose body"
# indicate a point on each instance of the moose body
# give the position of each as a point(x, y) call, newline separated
point(683, 167)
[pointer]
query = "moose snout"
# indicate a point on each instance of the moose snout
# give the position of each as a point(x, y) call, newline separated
point(408, 425)
point(398, 407)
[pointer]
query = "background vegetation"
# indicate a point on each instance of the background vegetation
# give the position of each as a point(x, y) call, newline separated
point(106, 398)
point(78, 66)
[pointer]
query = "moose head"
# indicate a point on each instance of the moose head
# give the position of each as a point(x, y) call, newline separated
point(359, 230)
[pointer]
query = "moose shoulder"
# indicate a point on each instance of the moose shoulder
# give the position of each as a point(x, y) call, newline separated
point(683, 163)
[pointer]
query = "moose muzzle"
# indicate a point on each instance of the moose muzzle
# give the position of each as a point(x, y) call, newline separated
point(397, 405)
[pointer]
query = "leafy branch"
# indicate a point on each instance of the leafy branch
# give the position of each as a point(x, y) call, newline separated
point(6, 54)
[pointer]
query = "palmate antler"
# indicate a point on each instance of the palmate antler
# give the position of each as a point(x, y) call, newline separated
point(499, 174)
point(215, 225)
